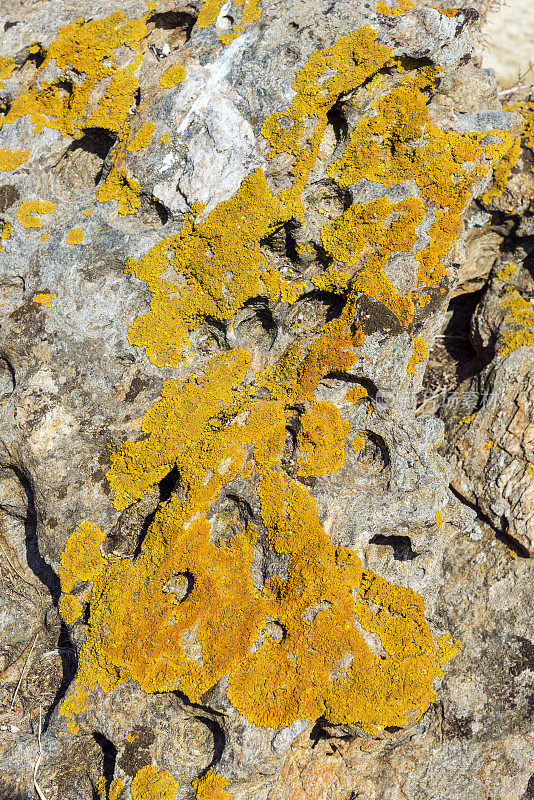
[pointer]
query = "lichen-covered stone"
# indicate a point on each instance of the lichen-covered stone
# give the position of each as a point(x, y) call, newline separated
point(228, 236)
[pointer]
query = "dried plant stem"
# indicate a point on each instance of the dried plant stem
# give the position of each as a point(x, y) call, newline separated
point(23, 671)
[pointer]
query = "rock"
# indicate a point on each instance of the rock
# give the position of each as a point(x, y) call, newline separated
point(229, 236)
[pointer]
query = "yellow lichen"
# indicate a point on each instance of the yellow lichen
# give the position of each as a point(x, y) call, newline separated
point(120, 187)
point(81, 559)
point(229, 421)
point(72, 726)
point(7, 65)
point(488, 445)
point(439, 519)
point(172, 77)
point(447, 648)
point(115, 789)
point(75, 236)
point(10, 160)
point(86, 49)
point(210, 10)
point(467, 420)
point(27, 213)
point(355, 394)
point(506, 272)
point(513, 340)
point(6, 230)
point(153, 784)
point(359, 441)
point(43, 298)
point(142, 137)
point(401, 8)
point(321, 440)
point(70, 609)
point(420, 352)
point(165, 138)
point(211, 787)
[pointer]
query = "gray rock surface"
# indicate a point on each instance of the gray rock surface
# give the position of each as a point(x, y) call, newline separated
point(116, 154)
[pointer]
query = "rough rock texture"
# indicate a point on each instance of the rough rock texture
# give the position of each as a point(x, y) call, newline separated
point(232, 566)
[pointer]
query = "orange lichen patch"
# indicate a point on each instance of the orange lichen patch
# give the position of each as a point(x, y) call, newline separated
point(513, 340)
point(151, 783)
point(356, 393)
point(75, 236)
point(172, 77)
point(236, 31)
point(348, 63)
point(221, 264)
point(81, 559)
point(439, 519)
point(70, 609)
point(5, 233)
point(72, 726)
point(519, 312)
point(7, 65)
point(43, 298)
point(10, 160)
point(321, 440)
point(138, 629)
point(115, 789)
point(225, 423)
point(420, 352)
point(380, 228)
point(27, 213)
point(501, 173)
point(86, 49)
point(506, 272)
point(401, 8)
point(518, 309)
point(447, 648)
point(165, 138)
point(142, 137)
point(502, 170)
point(210, 10)
point(359, 441)
point(120, 187)
point(211, 787)
point(444, 166)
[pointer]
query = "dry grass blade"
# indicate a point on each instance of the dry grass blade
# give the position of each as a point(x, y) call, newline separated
point(38, 762)
point(22, 673)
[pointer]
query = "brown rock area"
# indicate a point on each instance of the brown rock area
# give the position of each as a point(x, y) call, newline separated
point(266, 404)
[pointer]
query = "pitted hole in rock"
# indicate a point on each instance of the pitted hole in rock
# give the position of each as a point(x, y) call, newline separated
point(209, 338)
point(310, 613)
point(7, 379)
point(254, 327)
point(83, 162)
point(28, 62)
point(453, 357)
point(529, 791)
point(401, 546)
point(180, 586)
point(168, 31)
point(281, 250)
point(125, 541)
point(228, 517)
point(271, 630)
point(198, 742)
point(289, 455)
point(312, 311)
point(338, 387)
point(327, 198)
point(373, 456)
point(224, 22)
